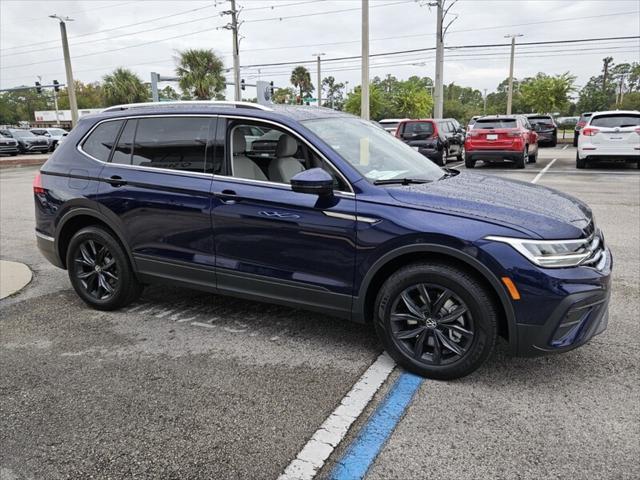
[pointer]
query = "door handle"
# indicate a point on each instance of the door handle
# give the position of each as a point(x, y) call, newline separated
point(116, 181)
point(228, 197)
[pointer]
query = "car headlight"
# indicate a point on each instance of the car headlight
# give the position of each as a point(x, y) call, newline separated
point(553, 253)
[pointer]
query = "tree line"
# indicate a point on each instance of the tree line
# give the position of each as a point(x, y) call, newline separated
point(200, 74)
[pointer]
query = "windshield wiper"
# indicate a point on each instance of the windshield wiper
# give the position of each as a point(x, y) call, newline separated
point(401, 181)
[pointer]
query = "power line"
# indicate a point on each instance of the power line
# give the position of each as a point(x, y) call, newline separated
point(40, 17)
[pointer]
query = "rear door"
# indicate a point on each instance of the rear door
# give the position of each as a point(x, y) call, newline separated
point(157, 185)
point(616, 132)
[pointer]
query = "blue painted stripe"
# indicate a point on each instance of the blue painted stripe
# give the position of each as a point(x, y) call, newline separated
point(367, 445)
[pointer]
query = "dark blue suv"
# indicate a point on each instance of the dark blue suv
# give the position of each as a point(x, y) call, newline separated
point(320, 210)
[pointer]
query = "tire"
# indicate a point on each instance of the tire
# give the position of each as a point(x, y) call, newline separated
point(14, 154)
point(554, 142)
point(440, 160)
point(575, 140)
point(469, 162)
point(463, 342)
point(580, 162)
point(460, 154)
point(103, 288)
point(520, 162)
point(533, 158)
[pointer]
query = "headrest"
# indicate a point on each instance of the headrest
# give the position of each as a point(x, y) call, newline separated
point(287, 146)
point(239, 142)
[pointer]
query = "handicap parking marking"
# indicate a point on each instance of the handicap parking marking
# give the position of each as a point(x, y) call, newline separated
point(361, 454)
point(324, 441)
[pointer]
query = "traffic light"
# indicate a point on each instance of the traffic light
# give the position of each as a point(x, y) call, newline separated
point(242, 84)
point(56, 85)
point(38, 87)
point(271, 88)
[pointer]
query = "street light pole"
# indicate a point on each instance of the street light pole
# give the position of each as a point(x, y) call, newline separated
point(364, 92)
point(513, 52)
point(484, 110)
point(71, 89)
point(437, 94)
point(318, 55)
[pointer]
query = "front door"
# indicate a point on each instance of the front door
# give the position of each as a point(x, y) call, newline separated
point(157, 183)
point(292, 248)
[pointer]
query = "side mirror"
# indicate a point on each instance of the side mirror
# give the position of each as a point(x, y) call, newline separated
point(314, 181)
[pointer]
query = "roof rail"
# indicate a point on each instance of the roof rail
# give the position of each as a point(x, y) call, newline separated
point(215, 103)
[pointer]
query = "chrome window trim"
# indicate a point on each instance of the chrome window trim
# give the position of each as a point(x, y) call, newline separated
point(203, 174)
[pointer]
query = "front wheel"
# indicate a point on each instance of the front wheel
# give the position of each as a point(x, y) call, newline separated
point(99, 270)
point(533, 157)
point(436, 320)
point(460, 154)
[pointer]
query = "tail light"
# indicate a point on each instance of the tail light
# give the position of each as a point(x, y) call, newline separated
point(580, 125)
point(638, 130)
point(590, 131)
point(513, 134)
point(37, 184)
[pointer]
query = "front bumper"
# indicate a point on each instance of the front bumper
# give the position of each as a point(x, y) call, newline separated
point(35, 148)
point(9, 148)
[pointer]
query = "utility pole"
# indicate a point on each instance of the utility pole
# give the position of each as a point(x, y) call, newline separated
point(441, 30)
point(484, 109)
point(318, 55)
point(513, 53)
point(71, 89)
point(236, 54)
point(364, 92)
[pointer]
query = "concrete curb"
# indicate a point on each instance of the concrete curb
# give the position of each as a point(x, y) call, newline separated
point(21, 162)
point(14, 276)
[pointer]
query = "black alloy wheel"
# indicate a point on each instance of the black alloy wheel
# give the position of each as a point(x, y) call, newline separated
point(96, 269)
point(432, 324)
point(100, 271)
point(436, 320)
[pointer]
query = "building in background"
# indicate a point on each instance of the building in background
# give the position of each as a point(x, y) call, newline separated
point(48, 118)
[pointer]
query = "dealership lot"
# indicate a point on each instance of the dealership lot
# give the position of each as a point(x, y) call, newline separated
point(184, 384)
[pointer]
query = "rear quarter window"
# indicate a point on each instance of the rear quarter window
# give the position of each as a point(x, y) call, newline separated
point(101, 140)
point(616, 120)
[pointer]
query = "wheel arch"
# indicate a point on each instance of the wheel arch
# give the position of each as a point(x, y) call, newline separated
point(82, 217)
point(400, 257)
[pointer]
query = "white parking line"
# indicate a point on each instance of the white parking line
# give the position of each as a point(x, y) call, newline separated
point(313, 455)
point(565, 147)
point(457, 165)
point(543, 171)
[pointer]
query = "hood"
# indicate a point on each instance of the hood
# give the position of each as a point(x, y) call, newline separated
point(538, 210)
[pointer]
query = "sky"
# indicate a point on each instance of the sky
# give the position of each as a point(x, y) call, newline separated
point(145, 36)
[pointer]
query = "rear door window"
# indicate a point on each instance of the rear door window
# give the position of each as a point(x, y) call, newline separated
point(101, 140)
point(616, 120)
point(174, 143)
point(496, 123)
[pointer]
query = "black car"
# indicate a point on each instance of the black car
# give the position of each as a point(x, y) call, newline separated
point(435, 139)
point(8, 145)
point(582, 121)
point(27, 141)
point(546, 128)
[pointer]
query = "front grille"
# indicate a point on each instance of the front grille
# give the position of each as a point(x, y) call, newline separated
point(597, 252)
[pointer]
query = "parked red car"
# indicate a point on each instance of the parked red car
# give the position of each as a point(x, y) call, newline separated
point(501, 138)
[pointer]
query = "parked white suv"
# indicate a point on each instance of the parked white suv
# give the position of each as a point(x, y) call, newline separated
point(610, 136)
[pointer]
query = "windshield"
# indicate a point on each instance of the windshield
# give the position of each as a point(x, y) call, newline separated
point(495, 123)
point(373, 152)
point(388, 125)
point(616, 120)
point(22, 133)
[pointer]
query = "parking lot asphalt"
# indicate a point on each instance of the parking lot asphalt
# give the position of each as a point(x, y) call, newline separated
point(189, 385)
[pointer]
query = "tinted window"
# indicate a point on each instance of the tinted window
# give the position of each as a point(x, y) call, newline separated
point(101, 140)
point(177, 143)
point(419, 128)
point(496, 123)
point(124, 148)
point(541, 120)
point(616, 120)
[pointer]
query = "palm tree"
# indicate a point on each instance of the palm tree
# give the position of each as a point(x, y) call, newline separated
point(301, 79)
point(200, 73)
point(123, 86)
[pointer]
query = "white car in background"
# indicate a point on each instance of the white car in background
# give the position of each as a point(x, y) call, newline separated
point(391, 124)
point(610, 136)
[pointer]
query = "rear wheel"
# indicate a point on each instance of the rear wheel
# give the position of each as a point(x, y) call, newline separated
point(469, 162)
point(520, 162)
point(580, 162)
point(99, 270)
point(436, 320)
point(575, 140)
